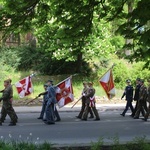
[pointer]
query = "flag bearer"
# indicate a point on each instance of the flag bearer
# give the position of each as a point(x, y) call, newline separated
point(90, 102)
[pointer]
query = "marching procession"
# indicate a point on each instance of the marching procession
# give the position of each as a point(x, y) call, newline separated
point(54, 95)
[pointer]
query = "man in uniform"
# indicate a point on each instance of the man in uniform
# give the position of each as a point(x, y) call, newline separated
point(128, 93)
point(148, 100)
point(90, 102)
point(142, 100)
point(7, 104)
point(3, 111)
point(45, 98)
point(84, 92)
point(51, 94)
point(136, 97)
point(55, 112)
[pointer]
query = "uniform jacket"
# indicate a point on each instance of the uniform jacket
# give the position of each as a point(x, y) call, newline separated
point(148, 94)
point(143, 93)
point(90, 94)
point(7, 94)
point(137, 90)
point(128, 93)
point(51, 94)
point(84, 92)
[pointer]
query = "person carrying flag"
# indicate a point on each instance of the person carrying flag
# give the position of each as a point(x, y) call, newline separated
point(45, 99)
point(90, 102)
point(84, 91)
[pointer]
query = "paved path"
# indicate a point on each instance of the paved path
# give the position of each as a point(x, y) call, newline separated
point(73, 131)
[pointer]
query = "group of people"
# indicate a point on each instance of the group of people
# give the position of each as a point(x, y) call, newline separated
point(49, 113)
point(88, 102)
point(141, 96)
point(7, 109)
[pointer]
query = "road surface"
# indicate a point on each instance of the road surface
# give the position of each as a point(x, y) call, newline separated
point(73, 131)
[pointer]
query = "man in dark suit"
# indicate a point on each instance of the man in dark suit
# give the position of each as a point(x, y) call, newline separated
point(128, 93)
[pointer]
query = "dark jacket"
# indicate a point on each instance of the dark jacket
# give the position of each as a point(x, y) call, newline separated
point(128, 93)
point(136, 94)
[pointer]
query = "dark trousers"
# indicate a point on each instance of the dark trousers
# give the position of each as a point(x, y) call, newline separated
point(50, 114)
point(135, 109)
point(128, 105)
point(8, 109)
point(148, 112)
point(141, 105)
point(4, 113)
point(87, 108)
point(56, 114)
point(43, 110)
point(82, 110)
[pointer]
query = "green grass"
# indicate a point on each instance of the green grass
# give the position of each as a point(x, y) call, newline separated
point(139, 143)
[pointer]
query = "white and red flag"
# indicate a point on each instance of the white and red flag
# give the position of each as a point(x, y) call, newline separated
point(64, 92)
point(107, 82)
point(24, 87)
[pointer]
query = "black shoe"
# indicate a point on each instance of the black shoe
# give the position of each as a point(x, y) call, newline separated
point(57, 120)
point(39, 118)
point(84, 119)
point(122, 115)
point(0, 124)
point(136, 117)
point(144, 119)
point(131, 115)
point(78, 117)
point(46, 122)
point(12, 124)
point(91, 117)
point(97, 119)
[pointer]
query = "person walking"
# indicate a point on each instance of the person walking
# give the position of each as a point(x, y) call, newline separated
point(136, 97)
point(142, 100)
point(45, 99)
point(7, 104)
point(90, 103)
point(128, 93)
point(83, 98)
point(50, 116)
point(148, 100)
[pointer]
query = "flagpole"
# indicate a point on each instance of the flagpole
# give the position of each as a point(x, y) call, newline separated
point(63, 80)
point(107, 70)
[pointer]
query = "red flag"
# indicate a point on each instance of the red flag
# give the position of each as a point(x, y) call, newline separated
point(24, 87)
point(64, 92)
point(107, 83)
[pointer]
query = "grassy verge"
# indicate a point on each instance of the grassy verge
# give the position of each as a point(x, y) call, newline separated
point(137, 144)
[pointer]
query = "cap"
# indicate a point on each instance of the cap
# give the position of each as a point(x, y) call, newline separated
point(50, 81)
point(142, 80)
point(138, 79)
point(7, 81)
point(90, 83)
point(84, 82)
point(45, 85)
point(128, 81)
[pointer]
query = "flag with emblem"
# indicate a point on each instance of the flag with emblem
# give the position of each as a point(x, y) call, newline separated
point(24, 87)
point(107, 83)
point(64, 92)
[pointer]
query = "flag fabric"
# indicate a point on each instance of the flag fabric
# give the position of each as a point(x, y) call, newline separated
point(107, 82)
point(24, 87)
point(64, 92)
